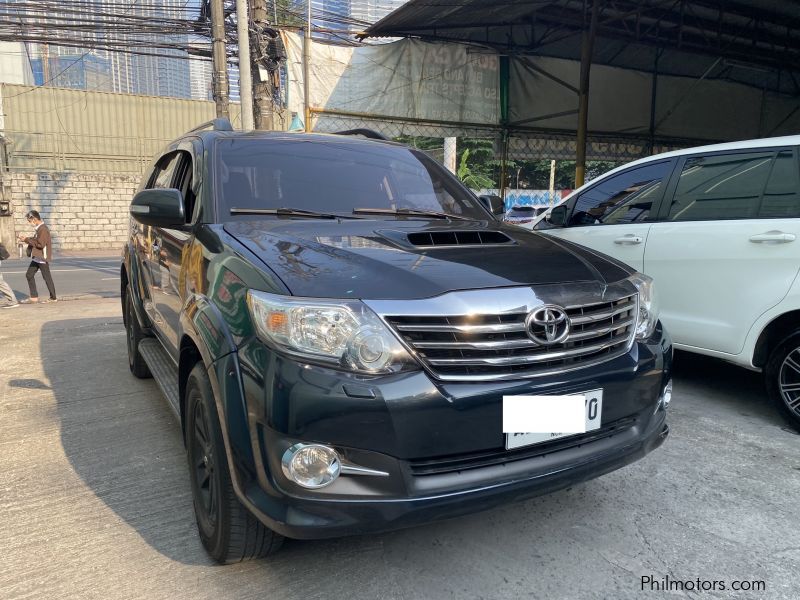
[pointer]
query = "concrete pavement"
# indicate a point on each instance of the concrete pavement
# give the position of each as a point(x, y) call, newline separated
point(95, 501)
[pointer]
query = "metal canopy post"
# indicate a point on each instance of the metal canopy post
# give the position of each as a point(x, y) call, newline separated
point(653, 98)
point(505, 75)
point(587, 45)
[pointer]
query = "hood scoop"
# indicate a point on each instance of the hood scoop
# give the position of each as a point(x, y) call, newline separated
point(427, 239)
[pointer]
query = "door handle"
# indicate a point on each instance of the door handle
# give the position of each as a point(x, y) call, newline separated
point(629, 239)
point(773, 237)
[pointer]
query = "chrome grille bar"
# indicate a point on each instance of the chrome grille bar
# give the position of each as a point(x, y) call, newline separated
point(599, 316)
point(591, 333)
point(530, 358)
point(499, 328)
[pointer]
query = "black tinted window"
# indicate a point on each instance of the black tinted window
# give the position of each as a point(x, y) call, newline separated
point(623, 198)
point(335, 176)
point(781, 194)
point(724, 186)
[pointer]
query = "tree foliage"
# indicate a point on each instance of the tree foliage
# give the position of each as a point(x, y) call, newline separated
point(480, 166)
point(473, 180)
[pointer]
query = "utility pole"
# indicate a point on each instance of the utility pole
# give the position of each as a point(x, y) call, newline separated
point(219, 78)
point(307, 68)
point(245, 80)
point(45, 64)
point(262, 85)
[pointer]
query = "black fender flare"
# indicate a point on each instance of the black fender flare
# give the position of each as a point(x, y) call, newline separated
point(203, 324)
point(134, 277)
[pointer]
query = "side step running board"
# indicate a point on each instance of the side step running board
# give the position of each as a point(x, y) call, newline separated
point(164, 371)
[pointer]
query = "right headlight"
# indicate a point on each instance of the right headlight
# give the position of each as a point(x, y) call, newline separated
point(341, 333)
point(648, 305)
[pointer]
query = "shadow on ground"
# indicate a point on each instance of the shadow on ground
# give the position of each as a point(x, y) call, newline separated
point(723, 386)
point(123, 441)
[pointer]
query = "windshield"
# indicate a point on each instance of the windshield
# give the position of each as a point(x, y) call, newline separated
point(334, 176)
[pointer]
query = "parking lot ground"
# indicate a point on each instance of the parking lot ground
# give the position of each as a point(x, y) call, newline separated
point(95, 502)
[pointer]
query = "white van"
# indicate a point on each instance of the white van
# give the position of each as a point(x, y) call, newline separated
point(717, 228)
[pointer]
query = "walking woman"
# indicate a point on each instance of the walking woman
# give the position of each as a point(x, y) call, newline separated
point(41, 252)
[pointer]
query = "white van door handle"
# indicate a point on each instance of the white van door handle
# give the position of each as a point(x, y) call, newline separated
point(773, 237)
point(629, 239)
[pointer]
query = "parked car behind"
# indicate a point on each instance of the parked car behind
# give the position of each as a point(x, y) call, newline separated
point(337, 321)
point(523, 215)
point(717, 228)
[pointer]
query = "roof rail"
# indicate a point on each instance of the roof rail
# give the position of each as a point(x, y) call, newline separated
point(220, 124)
point(367, 133)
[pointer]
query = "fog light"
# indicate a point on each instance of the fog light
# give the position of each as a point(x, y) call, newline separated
point(666, 395)
point(311, 466)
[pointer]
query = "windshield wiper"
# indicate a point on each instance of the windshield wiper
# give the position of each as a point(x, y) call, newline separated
point(289, 212)
point(408, 211)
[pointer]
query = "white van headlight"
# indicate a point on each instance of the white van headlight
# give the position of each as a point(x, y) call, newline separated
point(648, 305)
point(343, 333)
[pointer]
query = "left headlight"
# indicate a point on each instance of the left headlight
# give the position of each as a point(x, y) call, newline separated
point(648, 305)
point(341, 333)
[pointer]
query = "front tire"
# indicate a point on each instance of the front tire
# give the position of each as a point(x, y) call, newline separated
point(229, 532)
point(134, 335)
point(782, 375)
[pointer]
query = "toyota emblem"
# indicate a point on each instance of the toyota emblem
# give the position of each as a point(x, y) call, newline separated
point(547, 325)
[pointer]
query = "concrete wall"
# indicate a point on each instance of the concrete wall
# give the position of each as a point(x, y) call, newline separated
point(84, 211)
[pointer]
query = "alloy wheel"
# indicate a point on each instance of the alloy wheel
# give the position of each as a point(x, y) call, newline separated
point(789, 381)
point(203, 465)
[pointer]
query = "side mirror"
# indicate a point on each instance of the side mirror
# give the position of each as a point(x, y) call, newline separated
point(159, 208)
point(557, 216)
point(494, 204)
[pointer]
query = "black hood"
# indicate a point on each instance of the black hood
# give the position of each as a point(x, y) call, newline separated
point(374, 259)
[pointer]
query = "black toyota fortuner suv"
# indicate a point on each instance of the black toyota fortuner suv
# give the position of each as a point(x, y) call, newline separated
point(336, 321)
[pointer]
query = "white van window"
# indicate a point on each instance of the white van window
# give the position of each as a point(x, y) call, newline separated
point(623, 198)
point(722, 186)
point(781, 197)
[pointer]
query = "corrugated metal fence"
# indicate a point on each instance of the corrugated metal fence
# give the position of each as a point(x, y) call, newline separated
point(58, 129)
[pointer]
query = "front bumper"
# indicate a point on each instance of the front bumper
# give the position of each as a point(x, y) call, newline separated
point(439, 443)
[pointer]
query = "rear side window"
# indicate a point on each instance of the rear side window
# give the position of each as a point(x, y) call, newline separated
point(165, 171)
point(627, 197)
point(781, 198)
point(723, 186)
point(183, 182)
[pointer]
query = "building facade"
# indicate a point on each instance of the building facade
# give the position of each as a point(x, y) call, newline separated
point(95, 67)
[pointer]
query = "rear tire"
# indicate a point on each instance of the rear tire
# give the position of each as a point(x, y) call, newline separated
point(229, 532)
point(782, 378)
point(134, 335)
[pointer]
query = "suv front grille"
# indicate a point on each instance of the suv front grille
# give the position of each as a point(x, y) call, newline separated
point(497, 346)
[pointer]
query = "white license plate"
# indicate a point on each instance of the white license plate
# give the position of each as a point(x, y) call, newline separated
point(593, 402)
